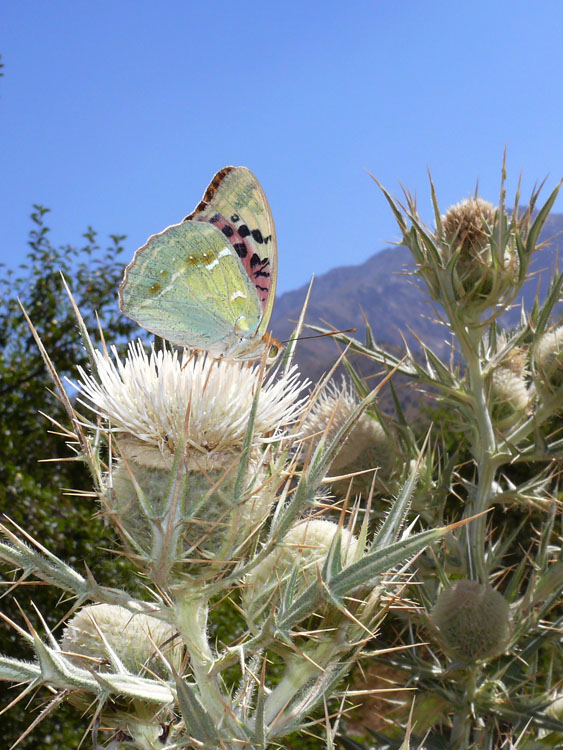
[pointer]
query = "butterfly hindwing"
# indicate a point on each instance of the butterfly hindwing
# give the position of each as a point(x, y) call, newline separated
point(235, 203)
point(209, 282)
point(187, 285)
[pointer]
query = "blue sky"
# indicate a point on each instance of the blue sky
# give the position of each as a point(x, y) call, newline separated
point(116, 113)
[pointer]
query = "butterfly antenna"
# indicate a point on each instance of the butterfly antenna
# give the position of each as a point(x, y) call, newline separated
point(321, 335)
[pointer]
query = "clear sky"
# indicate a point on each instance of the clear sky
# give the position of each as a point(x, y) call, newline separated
point(116, 113)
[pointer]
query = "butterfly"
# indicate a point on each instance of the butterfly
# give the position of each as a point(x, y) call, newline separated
point(210, 281)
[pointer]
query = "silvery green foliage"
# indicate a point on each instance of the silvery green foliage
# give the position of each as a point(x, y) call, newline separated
point(194, 463)
point(489, 596)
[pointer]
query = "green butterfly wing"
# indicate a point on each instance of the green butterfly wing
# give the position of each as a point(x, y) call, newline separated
point(188, 285)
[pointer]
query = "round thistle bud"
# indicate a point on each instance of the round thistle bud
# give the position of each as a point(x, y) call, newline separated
point(367, 446)
point(473, 620)
point(467, 230)
point(510, 396)
point(132, 637)
point(548, 361)
point(304, 549)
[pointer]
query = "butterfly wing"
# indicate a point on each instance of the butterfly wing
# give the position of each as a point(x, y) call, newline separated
point(235, 204)
point(188, 285)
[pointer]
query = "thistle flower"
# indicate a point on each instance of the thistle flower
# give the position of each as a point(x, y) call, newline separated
point(134, 638)
point(367, 446)
point(473, 620)
point(467, 225)
point(548, 361)
point(304, 549)
point(153, 402)
point(156, 402)
point(467, 230)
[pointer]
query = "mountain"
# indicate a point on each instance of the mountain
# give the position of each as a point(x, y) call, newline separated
point(385, 288)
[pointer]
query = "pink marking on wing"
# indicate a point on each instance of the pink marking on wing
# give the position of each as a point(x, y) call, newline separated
point(257, 268)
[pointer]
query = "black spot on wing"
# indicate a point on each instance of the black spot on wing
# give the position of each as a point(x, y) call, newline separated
point(241, 249)
point(257, 235)
point(228, 231)
point(243, 230)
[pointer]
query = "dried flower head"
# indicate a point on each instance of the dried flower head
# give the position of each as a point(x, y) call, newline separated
point(467, 230)
point(473, 620)
point(154, 401)
point(367, 446)
point(304, 548)
point(548, 361)
point(134, 638)
point(468, 225)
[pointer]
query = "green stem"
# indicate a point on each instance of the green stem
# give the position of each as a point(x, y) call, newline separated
point(463, 721)
point(484, 450)
point(191, 619)
point(299, 671)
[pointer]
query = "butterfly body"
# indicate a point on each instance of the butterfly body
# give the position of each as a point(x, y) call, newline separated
point(209, 282)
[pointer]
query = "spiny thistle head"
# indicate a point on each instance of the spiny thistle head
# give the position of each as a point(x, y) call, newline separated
point(467, 225)
point(165, 407)
point(468, 231)
point(303, 549)
point(134, 638)
point(548, 361)
point(514, 358)
point(473, 620)
point(216, 521)
point(367, 446)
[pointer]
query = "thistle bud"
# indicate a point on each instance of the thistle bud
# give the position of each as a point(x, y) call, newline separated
point(510, 397)
point(367, 446)
point(548, 361)
point(473, 620)
point(303, 549)
point(134, 638)
point(467, 230)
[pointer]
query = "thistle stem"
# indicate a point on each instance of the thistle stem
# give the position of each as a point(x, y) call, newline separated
point(462, 722)
point(484, 449)
point(192, 611)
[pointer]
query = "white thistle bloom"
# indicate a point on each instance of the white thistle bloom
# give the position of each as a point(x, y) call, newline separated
point(154, 400)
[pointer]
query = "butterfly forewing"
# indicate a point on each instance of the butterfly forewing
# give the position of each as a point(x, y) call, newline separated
point(235, 204)
point(187, 285)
